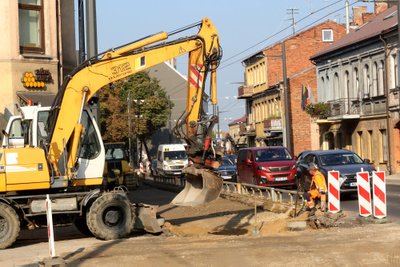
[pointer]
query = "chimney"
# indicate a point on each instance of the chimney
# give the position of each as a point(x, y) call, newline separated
point(381, 6)
point(358, 12)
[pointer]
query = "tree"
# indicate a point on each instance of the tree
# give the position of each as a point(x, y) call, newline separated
point(149, 108)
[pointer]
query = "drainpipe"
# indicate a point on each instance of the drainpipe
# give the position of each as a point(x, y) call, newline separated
point(389, 164)
point(59, 46)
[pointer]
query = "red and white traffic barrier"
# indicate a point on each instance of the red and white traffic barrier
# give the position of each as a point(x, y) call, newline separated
point(50, 230)
point(148, 167)
point(141, 168)
point(333, 192)
point(379, 194)
point(364, 194)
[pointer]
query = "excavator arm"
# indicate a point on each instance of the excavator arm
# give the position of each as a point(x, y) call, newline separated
point(204, 52)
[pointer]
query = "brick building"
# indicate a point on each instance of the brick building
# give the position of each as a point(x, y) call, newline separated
point(272, 119)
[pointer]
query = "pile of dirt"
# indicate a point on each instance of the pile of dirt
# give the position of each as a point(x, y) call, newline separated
point(222, 217)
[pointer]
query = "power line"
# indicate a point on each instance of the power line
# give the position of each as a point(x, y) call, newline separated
point(284, 29)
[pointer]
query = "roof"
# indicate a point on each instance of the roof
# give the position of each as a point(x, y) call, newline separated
point(287, 38)
point(380, 24)
point(240, 120)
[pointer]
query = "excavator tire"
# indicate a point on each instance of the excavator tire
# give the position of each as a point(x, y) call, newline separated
point(110, 216)
point(81, 224)
point(9, 226)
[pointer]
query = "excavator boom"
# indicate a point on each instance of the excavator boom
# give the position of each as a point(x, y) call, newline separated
point(65, 127)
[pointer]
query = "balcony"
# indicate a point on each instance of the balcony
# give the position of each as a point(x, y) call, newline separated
point(273, 124)
point(352, 108)
point(248, 130)
point(245, 91)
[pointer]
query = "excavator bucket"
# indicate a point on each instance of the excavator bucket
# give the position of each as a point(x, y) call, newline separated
point(202, 186)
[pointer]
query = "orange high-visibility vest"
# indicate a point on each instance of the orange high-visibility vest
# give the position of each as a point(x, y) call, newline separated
point(318, 180)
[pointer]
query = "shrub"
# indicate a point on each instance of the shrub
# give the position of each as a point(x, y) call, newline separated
point(320, 110)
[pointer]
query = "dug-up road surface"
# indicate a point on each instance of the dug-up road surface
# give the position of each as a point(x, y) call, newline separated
point(221, 233)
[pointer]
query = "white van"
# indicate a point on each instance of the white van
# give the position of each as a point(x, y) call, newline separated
point(171, 159)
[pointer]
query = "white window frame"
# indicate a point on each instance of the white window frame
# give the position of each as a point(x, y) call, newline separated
point(324, 39)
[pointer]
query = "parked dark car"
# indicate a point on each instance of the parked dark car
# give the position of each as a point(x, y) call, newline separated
point(346, 162)
point(227, 170)
point(266, 166)
point(232, 157)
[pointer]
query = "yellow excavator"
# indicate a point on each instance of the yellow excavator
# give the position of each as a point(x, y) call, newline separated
point(58, 151)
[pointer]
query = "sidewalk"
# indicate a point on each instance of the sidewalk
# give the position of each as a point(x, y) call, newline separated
point(393, 179)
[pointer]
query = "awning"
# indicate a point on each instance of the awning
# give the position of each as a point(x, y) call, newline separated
point(42, 98)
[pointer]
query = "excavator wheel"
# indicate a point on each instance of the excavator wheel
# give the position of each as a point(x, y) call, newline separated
point(110, 216)
point(202, 186)
point(9, 226)
point(81, 224)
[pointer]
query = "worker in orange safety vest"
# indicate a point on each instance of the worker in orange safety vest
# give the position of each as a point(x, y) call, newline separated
point(318, 188)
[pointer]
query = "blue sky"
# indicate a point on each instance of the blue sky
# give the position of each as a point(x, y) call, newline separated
point(244, 27)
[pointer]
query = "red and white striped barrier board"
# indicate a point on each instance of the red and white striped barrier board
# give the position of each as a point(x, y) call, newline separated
point(364, 194)
point(379, 194)
point(333, 192)
point(141, 168)
point(50, 231)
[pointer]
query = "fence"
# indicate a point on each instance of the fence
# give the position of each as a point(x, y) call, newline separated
point(282, 196)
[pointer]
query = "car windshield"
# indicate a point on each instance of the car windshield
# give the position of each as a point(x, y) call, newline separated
point(226, 162)
point(174, 155)
point(274, 154)
point(340, 159)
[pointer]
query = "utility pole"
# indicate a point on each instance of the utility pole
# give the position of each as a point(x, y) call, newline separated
point(288, 131)
point(169, 121)
point(138, 116)
point(347, 17)
point(130, 129)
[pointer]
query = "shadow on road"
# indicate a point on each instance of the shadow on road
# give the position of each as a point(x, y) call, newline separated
point(82, 256)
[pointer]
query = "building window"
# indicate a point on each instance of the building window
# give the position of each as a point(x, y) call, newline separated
point(367, 81)
point(374, 79)
point(370, 145)
point(393, 72)
point(383, 148)
point(360, 144)
point(381, 78)
point(346, 83)
point(327, 35)
point(356, 83)
point(31, 30)
point(336, 94)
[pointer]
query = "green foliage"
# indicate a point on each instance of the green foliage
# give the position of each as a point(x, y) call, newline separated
point(149, 108)
point(320, 110)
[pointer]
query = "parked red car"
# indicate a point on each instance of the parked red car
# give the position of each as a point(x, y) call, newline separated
point(266, 166)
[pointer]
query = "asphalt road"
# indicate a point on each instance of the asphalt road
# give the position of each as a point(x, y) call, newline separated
point(349, 203)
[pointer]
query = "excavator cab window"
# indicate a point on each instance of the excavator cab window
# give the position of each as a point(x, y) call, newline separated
point(90, 144)
point(41, 127)
point(19, 133)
